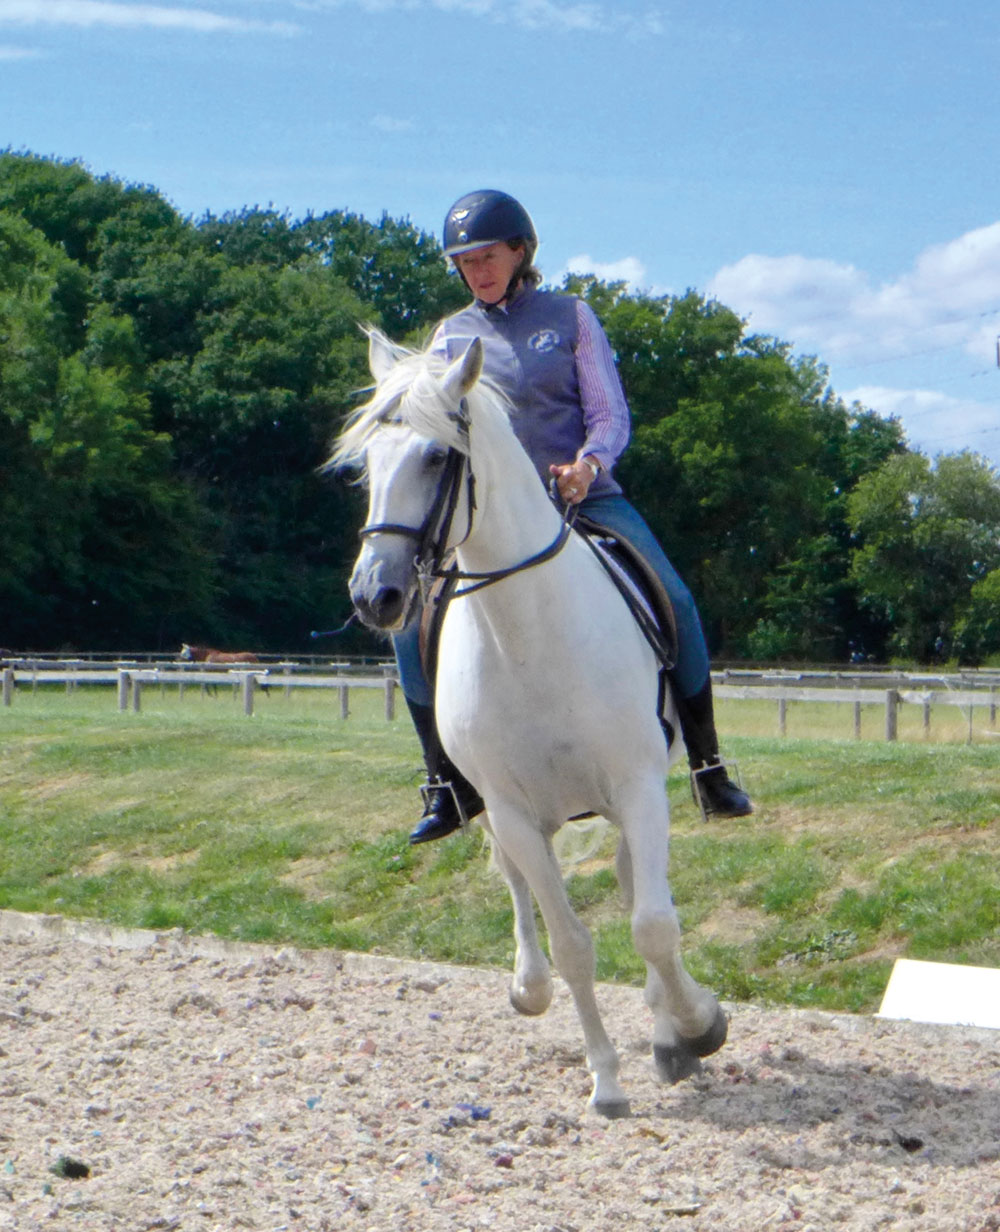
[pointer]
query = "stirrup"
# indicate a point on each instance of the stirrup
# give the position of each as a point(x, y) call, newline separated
point(446, 785)
point(696, 773)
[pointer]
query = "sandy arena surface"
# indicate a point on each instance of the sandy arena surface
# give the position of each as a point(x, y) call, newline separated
point(209, 1087)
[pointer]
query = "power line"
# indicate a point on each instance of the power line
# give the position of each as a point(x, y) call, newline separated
point(934, 350)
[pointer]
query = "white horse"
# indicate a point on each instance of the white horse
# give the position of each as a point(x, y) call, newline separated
point(546, 693)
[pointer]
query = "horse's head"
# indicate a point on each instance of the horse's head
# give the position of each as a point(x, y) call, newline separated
point(411, 438)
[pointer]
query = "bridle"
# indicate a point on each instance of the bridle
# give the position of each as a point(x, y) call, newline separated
point(433, 534)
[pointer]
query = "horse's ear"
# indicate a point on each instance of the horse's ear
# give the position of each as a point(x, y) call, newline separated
point(382, 355)
point(465, 371)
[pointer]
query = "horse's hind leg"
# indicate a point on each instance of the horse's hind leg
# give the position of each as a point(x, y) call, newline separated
point(531, 983)
point(531, 854)
point(688, 1022)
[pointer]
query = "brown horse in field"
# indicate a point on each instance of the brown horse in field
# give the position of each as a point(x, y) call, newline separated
point(205, 654)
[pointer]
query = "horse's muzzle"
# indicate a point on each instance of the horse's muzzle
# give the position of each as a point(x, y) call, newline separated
point(384, 609)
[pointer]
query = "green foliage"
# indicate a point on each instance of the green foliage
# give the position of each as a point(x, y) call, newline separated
point(977, 630)
point(927, 534)
point(741, 461)
point(169, 389)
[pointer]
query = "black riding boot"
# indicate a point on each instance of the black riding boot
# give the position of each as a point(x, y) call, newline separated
point(449, 798)
point(713, 790)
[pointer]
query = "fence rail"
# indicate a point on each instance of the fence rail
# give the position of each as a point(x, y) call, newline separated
point(130, 682)
point(971, 692)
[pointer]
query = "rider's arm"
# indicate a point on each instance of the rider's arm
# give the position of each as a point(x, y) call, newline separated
point(606, 417)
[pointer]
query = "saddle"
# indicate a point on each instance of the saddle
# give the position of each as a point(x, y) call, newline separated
point(634, 578)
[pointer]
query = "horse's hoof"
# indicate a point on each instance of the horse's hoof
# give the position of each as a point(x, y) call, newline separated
point(683, 1059)
point(531, 1005)
point(612, 1109)
point(714, 1037)
point(675, 1063)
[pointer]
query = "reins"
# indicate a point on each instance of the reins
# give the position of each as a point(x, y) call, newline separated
point(482, 580)
point(432, 536)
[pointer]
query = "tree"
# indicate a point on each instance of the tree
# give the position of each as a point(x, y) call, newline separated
point(390, 265)
point(977, 630)
point(251, 415)
point(90, 518)
point(741, 459)
point(925, 536)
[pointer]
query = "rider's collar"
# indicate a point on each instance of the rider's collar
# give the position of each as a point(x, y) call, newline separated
point(515, 301)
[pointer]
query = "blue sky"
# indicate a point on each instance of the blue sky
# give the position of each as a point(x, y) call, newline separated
point(828, 170)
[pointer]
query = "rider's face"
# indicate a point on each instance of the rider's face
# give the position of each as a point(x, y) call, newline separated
point(488, 270)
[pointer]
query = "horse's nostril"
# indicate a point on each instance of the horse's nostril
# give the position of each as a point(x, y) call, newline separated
point(389, 601)
point(382, 609)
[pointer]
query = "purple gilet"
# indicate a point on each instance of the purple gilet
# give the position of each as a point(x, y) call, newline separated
point(550, 355)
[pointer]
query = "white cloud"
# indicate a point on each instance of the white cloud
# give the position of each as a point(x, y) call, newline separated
point(941, 315)
point(392, 124)
point(947, 300)
point(87, 13)
point(582, 15)
point(627, 269)
point(935, 422)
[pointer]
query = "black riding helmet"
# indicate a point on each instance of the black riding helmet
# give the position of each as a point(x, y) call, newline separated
point(485, 217)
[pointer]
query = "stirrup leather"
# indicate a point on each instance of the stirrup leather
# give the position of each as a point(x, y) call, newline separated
point(446, 785)
point(732, 771)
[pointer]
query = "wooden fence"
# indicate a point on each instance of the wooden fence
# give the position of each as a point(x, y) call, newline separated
point(246, 682)
point(890, 700)
point(971, 691)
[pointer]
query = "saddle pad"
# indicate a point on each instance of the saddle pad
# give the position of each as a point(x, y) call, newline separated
point(634, 575)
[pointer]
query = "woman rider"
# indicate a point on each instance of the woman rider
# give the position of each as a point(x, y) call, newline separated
point(551, 356)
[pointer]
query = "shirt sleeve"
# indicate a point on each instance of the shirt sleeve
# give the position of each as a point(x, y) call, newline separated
point(606, 417)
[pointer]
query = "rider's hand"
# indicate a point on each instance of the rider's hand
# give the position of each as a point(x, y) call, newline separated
point(573, 479)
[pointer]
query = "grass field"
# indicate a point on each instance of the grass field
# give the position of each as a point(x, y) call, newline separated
point(291, 827)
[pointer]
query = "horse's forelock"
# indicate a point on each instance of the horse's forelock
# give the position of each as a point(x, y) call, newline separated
point(411, 394)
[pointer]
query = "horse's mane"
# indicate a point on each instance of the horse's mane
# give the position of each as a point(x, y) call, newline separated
point(409, 394)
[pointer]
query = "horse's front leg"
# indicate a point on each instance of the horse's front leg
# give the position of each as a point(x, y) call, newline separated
point(531, 855)
point(531, 984)
point(688, 1022)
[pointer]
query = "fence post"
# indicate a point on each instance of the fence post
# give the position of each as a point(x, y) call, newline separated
point(857, 720)
point(390, 698)
point(136, 696)
point(783, 716)
point(927, 720)
point(249, 684)
point(345, 705)
point(8, 685)
point(891, 713)
point(124, 681)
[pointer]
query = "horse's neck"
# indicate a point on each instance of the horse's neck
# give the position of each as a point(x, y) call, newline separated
point(514, 517)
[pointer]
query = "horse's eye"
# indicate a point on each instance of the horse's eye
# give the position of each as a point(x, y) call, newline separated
point(434, 459)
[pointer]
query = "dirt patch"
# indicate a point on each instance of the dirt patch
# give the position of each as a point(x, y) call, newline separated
point(218, 1087)
point(45, 789)
point(732, 925)
point(310, 876)
point(105, 861)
